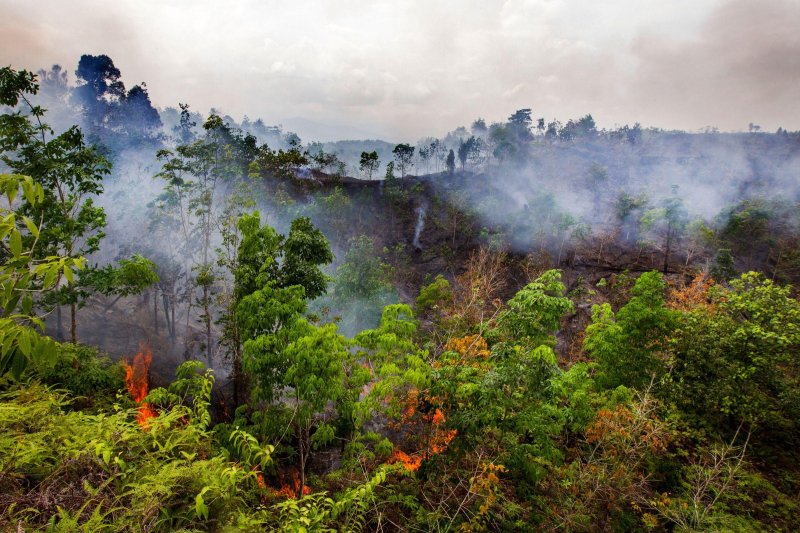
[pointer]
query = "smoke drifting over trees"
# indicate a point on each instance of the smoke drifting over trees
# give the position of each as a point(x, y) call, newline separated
point(510, 326)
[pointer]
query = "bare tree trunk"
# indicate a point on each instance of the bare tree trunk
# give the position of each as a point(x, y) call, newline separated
point(188, 337)
point(207, 312)
point(73, 330)
point(238, 381)
point(165, 303)
point(155, 309)
point(304, 447)
point(240, 385)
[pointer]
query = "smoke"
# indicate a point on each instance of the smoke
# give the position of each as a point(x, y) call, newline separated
point(555, 187)
point(422, 210)
point(420, 67)
point(543, 195)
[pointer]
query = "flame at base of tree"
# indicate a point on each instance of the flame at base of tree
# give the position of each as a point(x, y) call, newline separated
point(289, 488)
point(411, 462)
point(438, 438)
point(137, 381)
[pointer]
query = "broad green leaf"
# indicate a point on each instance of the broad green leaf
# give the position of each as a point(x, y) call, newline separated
point(11, 191)
point(50, 277)
point(24, 343)
point(27, 304)
point(29, 189)
point(18, 364)
point(8, 341)
point(15, 243)
point(31, 227)
point(69, 274)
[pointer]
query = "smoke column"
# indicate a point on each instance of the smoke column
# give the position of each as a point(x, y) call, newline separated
point(421, 211)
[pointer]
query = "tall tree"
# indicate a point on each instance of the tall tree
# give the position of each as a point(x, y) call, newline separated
point(629, 346)
point(271, 265)
point(369, 163)
point(668, 222)
point(184, 129)
point(138, 116)
point(99, 91)
point(403, 158)
point(735, 359)
point(305, 250)
point(21, 274)
point(469, 150)
point(190, 203)
point(71, 174)
point(451, 162)
point(520, 124)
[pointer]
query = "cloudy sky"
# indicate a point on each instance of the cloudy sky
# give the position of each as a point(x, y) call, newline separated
point(409, 68)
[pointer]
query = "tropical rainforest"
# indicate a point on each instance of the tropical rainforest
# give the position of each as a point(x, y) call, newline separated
point(529, 325)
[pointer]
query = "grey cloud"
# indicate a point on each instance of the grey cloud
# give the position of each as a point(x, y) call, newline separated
point(417, 68)
point(743, 65)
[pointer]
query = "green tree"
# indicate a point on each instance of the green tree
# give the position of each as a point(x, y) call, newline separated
point(269, 266)
point(630, 346)
point(403, 158)
point(668, 223)
point(228, 259)
point(369, 163)
point(314, 376)
point(735, 360)
point(628, 210)
point(451, 162)
point(520, 124)
point(282, 351)
point(281, 164)
point(305, 250)
point(534, 313)
point(71, 175)
point(746, 229)
point(131, 276)
point(22, 276)
point(184, 129)
point(723, 268)
point(193, 174)
point(399, 365)
point(99, 92)
point(469, 151)
point(362, 283)
point(267, 318)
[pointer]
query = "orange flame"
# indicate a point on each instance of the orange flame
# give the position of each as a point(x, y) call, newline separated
point(411, 462)
point(439, 439)
point(260, 478)
point(291, 489)
point(137, 381)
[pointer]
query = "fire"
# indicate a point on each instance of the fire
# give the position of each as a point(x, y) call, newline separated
point(260, 478)
point(439, 439)
point(291, 488)
point(137, 381)
point(411, 462)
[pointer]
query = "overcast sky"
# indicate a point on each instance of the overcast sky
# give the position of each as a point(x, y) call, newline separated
point(410, 68)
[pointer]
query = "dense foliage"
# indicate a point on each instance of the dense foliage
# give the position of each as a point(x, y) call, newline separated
point(510, 397)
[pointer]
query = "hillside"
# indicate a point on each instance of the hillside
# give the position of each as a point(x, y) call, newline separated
point(211, 326)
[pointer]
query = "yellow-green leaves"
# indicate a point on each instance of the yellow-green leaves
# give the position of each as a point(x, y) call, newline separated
point(21, 276)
